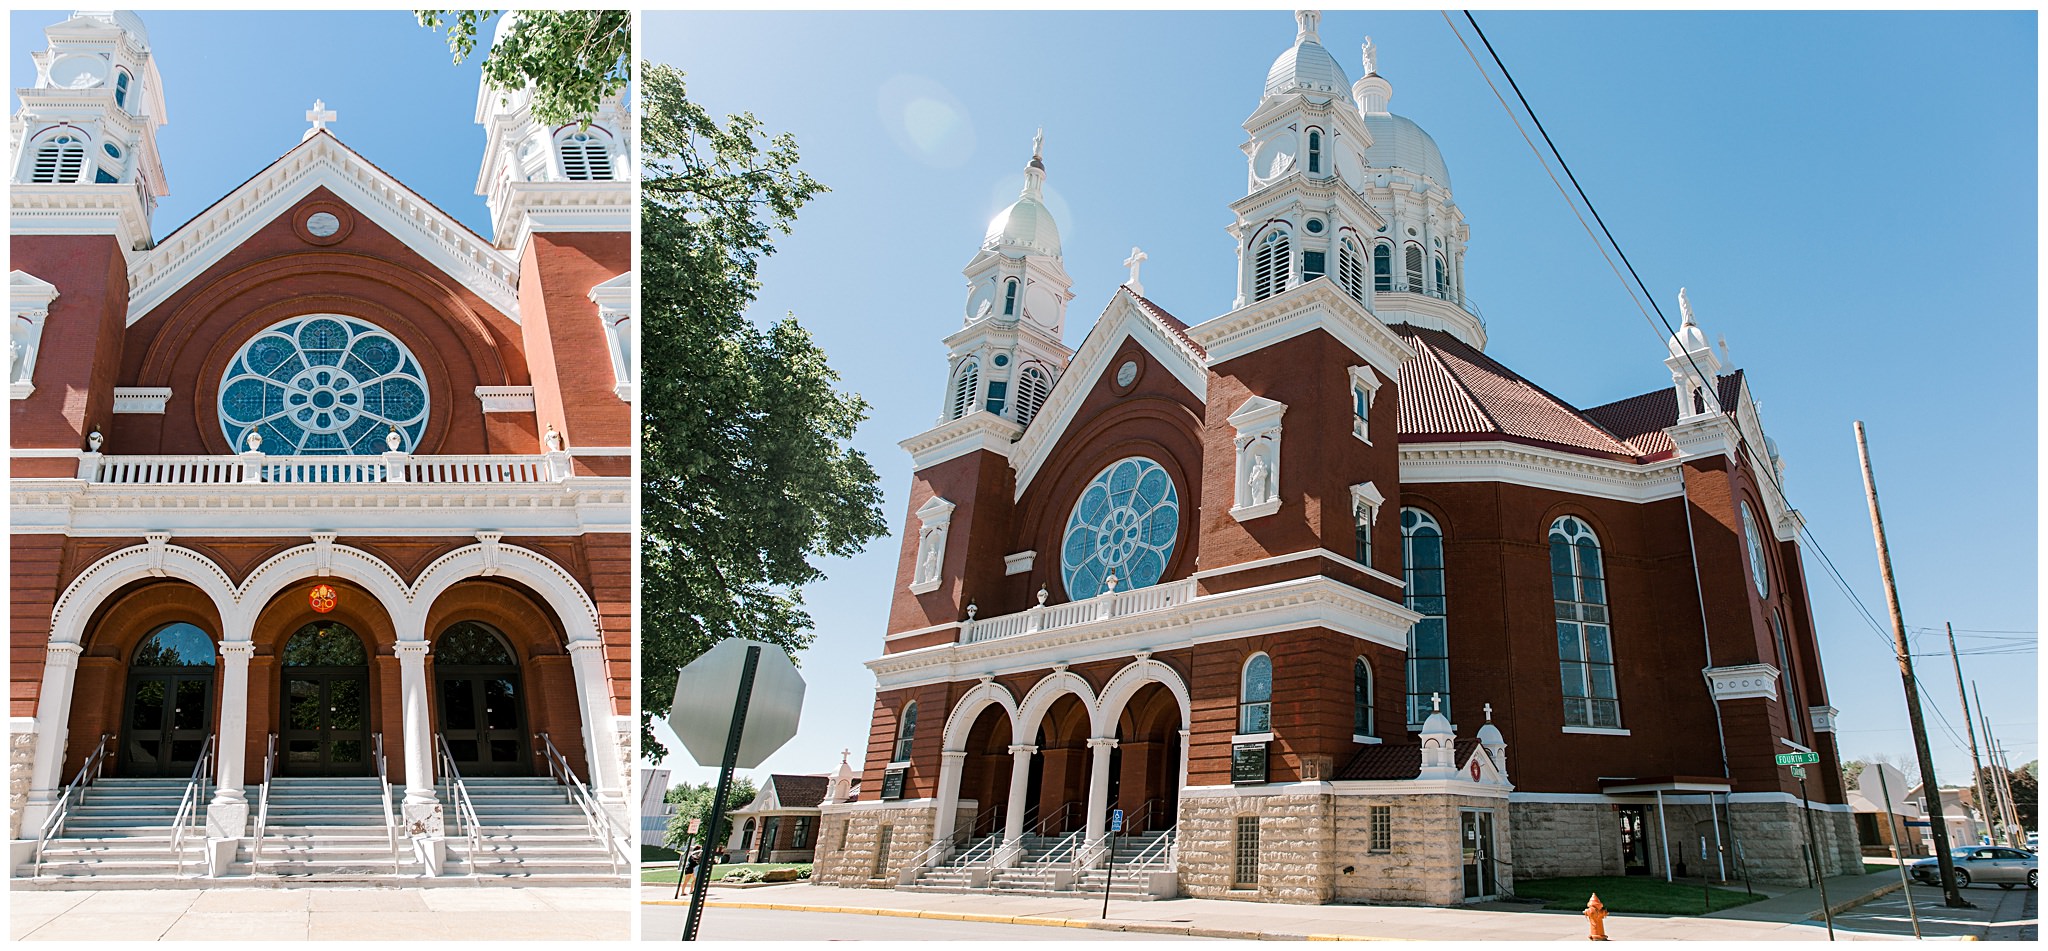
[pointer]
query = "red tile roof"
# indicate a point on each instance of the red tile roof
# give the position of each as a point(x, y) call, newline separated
point(1172, 323)
point(1398, 760)
point(1640, 421)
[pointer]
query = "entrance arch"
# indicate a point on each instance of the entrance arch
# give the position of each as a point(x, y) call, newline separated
point(1146, 706)
point(168, 707)
point(480, 701)
point(325, 702)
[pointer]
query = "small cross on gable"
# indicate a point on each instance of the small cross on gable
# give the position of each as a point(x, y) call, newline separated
point(319, 116)
point(1137, 257)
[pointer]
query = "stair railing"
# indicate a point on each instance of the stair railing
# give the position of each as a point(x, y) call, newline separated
point(1056, 823)
point(600, 822)
point(935, 854)
point(73, 795)
point(457, 795)
point(384, 788)
point(1062, 851)
point(1159, 848)
point(263, 801)
point(191, 802)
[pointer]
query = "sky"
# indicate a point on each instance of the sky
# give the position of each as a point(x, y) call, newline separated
point(236, 99)
point(1849, 199)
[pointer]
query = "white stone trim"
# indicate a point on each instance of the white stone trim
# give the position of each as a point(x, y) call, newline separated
point(70, 209)
point(1823, 718)
point(506, 399)
point(1363, 377)
point(962, 717)
point(578, 505)
point(1038, 702)
point(1605, 799)
point(1266, 737)
point(1366, 740)
point(1516, 464)
point(146, 400)
point(1297, 556)
point(1738, 683)
point(615, 299)
point(1019, 563)
point(1125, 684)
point(935, 520)
point(601, 451)
point(29, 298)
point(1258, 425)
point(1316, 305)
point(954, 438)
point(1595, 731)
point(949, 625)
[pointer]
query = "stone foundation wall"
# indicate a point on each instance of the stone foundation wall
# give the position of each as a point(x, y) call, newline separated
point(1558, 840)
point(1773, 836)
point(848, 843)
point(21, 755)
point(1555, 840)
point(1424, 864)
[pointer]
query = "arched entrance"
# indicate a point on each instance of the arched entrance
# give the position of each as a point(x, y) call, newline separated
point(1057, 796)
point(1145, 777)
point(482, 703)
point(169, 707)
point(985, 772)
point(325, 700)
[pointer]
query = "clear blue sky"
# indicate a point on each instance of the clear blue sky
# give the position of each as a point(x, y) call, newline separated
point(1850, 199)
point(237, 86)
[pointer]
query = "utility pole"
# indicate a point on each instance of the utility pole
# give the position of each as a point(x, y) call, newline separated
point(2002, 778)
point(1952, 897)
point(1976, 765)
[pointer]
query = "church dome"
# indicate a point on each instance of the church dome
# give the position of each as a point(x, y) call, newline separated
point(125, 19)
point(1307, 66)
point(1026, 225)
point(1397, 142)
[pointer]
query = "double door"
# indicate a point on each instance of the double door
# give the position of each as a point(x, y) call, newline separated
point(483, 719)
point(326, 722)
point(170, 712)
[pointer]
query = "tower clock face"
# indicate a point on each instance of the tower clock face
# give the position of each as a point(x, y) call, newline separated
point(78, 71)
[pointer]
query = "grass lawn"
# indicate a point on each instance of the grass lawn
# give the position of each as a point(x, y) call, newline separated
point(719, 872)
point(1629, 894)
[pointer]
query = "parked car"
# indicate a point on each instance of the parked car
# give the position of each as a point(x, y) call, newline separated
point(2033, 841)
point(1984, 865)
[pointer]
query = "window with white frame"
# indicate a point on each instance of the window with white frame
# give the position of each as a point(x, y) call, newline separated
point(1315, 152)
point(1361, 698)
point(1429, 655)
point(1585, 646)
point(1413, 260)
point(1759, 566)
point(586, 154)
point(1383, 266)
point(966, 386)
point(906, 732)
point(59, 159)
point(1255, 696)
point(1351, 270)
point(1270, 264)
point(121, 83)
point(1365, 511)
point(1443, 278)
point(1365, 385)
point(1034, 384)
point(1010, 297)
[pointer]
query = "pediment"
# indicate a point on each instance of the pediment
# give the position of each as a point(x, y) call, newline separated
point(323, 162)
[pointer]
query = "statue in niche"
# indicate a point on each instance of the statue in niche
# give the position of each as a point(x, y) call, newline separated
point(1258, 486)
point(14, 354)
point(928, 559)
point(1282, 164)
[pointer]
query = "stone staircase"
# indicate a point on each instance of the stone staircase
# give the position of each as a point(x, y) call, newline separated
point(119, 832)
point(329, 829)
point(958, 873)
point(1134, 880)
point(529, 830)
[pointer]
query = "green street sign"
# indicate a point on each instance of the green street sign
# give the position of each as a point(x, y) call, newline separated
point(1798, 771)
point(1794, 759)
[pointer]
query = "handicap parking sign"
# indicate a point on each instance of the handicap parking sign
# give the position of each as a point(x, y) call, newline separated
point(1116, 820)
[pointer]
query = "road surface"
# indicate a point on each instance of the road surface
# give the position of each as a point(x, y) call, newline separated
point(665, 923)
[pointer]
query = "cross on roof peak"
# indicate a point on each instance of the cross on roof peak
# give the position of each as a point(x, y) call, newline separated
point(319, 116)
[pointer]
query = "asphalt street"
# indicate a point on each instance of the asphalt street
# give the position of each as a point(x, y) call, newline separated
point(665, 923)
point(2000, 915)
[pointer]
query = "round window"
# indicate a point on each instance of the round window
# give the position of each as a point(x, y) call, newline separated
point(1127, 373)
point(112, 150)
point(323, 384)
point(1759, 568)
point(1315, 226)
point(1001, 360)
point(1124, 524)
point(322, 224)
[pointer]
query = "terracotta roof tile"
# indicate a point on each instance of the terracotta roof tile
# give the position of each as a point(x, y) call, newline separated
point(1172, 323)
point(1397, 760)
point(1453, 391)
point(1640, 420)
point(799, 792)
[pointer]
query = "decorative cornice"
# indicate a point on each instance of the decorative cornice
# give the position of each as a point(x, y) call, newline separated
point(1746, 681)
point(539, 207)
point(81, 209)
point(1513, 463)
point(579, 505)
point(1316, 305)
point(506, 399)
point(958, 437)
point(148, 400)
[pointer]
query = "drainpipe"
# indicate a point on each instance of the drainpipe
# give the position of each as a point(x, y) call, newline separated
point(1707, 643)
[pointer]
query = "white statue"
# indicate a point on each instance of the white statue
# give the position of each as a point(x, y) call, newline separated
point(552, 439)
point(928, 560)
point(1372, 57)
point(1282, 164)
point(1259, 487)
point(14, 359)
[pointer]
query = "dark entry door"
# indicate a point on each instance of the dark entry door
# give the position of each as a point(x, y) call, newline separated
point(169, 713)
point(326, 701)
point(482, 708)
point(1476, 833)
point(1635, 841)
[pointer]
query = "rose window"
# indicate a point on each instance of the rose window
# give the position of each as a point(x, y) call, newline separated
point(323, 384)
point(1124, 524)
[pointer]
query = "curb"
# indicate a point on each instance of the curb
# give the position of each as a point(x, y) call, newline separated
point(1138, 927)
point(1848, 903)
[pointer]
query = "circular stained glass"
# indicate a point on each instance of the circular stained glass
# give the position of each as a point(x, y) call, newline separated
point(1758, 567)
point(1125, 524)
point(323, 385)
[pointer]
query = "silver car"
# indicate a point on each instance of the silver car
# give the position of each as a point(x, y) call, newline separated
point(1985, 865)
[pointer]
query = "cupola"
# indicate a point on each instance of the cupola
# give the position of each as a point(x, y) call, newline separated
point(1306, 66)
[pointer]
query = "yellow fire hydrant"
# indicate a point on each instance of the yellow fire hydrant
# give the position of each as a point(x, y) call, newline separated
point(1596, 914)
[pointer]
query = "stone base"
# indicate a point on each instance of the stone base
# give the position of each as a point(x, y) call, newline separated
point(1764, 841)
point(227, 820)
point(21, 854)
point(432, 853)
point(220, 853)
point(849, 845)
point(421, 818)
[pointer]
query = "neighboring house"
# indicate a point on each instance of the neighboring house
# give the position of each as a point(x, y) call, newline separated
point(1965, 825)
point(781, 824)
point(655, 809)
point(1880, 825)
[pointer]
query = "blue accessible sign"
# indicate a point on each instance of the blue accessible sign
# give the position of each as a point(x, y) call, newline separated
point(1116, 820)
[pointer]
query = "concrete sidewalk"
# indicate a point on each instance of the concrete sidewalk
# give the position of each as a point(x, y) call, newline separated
point(317, 914)
point(1803, 904)
point(1495, 921)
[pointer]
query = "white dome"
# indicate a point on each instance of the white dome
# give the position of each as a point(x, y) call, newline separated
point(1308, 66)
point(1026, 225)
point(1397, 142)
point(124, 19)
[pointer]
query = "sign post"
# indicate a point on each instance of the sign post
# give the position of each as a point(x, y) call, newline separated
point(716, 716)
point(1820, 872)
point(1116, 828)
point(1884, 787)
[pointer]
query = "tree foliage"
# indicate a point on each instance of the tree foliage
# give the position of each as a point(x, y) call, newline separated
point(2026, 791)
point(693, 801)
point(747, 471)
point(572, 58)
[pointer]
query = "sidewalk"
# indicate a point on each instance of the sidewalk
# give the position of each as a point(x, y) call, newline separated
point(303, 914)
point(1803, 904)
point(1784, 921)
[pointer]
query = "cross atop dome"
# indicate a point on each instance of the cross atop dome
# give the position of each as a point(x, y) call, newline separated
point(319, 116)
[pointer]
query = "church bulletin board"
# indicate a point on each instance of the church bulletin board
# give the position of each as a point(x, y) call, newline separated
point(1247, 763)
point(892, 783)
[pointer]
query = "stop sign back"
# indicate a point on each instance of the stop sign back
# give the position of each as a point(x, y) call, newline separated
point(708, 688)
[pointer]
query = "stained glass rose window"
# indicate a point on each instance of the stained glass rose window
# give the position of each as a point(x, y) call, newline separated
point(323, 384)
point(1124, 523)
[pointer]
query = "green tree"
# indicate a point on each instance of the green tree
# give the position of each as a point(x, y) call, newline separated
point(693, 801)
point(572, 58)
point(747, 472)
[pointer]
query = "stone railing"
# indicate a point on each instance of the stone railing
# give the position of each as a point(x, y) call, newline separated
point(1102, 607)
point(256, 468)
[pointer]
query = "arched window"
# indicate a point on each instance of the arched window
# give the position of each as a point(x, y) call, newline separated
point(323, 384)
point(1010, 297)
point(1795, 712)
point(1383, 267)
point(325, 644)
point(966, 384)
point(1443, 279)
point(1759, 566)
point(586, 154)
point(472, 644)
point(175, 645)
point(1412, 257)
point(59, 160)
point(1315, 152)
point(121, 88)
point(1585, 647)
point(1033, 386)
point(1361, 698)
point(1270, 265)
point(1351, 270)
point(906, 732)
point(1429, 652)
point(1255, 696)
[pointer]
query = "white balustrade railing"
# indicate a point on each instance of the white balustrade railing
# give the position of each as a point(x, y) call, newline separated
point(1102, 607)
point(251, 467)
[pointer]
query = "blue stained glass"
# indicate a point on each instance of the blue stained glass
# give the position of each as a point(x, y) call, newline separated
point(323, 384)
point(1125, 523)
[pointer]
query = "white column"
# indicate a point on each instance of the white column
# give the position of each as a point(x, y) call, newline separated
point(950, 765)
point(53, 717)
point(231, 740)
point(1184, 741)
point(594, 696)
point(1098, 784)
point(416, 731)
point(1020, 791)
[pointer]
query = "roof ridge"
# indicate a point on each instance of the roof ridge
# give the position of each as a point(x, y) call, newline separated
point(1463, 389)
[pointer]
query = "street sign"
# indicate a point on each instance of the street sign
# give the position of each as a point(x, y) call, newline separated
point(705, 695)
point(694, 823)
point(1116, 820)
point(1791, 759)
point(1798, 771)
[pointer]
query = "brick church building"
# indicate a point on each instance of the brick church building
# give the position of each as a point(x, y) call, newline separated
point(320, 501)
point(1314, 598)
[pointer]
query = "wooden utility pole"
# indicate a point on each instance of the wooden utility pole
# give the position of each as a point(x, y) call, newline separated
point(2001, 779)
point(1952, 897)
point(1976, 765)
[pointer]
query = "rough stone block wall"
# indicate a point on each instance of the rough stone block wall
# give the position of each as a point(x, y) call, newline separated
point(1296, 837)
point(1425, 865)
point(1557, 840)
point(1772, 835)
point(21, 754)
point(853, 863)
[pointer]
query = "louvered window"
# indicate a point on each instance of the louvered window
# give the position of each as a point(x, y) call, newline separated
point(1315, 153)
point(1351, 271)
point(1383, 267)
point(60, 160)
point(1414, 261)
point(585, 158)
point(1585, 642)
point(1033, 386)
point(965, 386)
point(1429, 653)
point(1269, 268)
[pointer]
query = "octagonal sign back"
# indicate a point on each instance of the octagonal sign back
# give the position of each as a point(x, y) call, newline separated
point(707, 689)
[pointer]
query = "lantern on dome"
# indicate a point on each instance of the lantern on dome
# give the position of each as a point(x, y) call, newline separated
point(323, 598)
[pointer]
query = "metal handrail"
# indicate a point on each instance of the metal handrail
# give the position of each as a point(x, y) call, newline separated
point(263, 801)
point(1057, 820)
point(457, 795)
point(384, 787)
point(189, 803)
point(601, 823)
point(87, 773)
point(1448, 295)
point(1062, 851)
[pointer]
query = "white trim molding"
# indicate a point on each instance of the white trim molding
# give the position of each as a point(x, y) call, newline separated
point(935, 520)
point(28, 302)
point(954, 438)
point(1258, 458)
point(614, 299)
point(1516, 464)
point(1364, 379)
point(1316, 305)
point(1595, 731)
point(143, 400)
point(506, 399)
point(1744, 682)
point(1019, 563)
point(1823, 718)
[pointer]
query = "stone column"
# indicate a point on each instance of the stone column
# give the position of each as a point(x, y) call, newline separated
point(950, 764)
point(53, 714)
point(1020, 792)
point(594, 696)
point(227, 816)
point(1098, 785)
point(421, 808)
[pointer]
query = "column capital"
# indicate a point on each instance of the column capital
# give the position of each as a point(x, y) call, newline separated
point(411, 650)
point(63, 653)
point(1102, 742)
point(953, 756)
point(1022, 748)
point(237, 651)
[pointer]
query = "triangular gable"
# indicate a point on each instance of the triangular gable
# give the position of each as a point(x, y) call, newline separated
point(1487, 771)
point(322, 161)
point(1126, 316)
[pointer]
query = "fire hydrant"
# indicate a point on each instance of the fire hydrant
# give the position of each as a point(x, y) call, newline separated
point(1596, 913)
